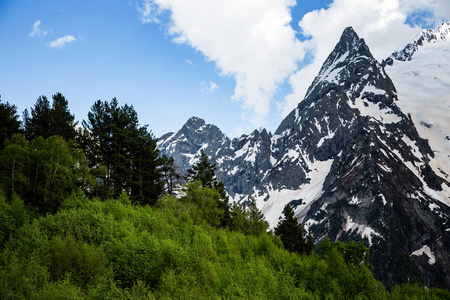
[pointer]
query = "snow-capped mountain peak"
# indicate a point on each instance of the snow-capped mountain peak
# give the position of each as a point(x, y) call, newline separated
point(350, 162)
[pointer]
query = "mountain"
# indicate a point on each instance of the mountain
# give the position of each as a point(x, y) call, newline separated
point(185, 144)
point(350, 161)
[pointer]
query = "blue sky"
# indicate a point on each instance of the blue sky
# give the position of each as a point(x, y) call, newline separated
point(237, 64)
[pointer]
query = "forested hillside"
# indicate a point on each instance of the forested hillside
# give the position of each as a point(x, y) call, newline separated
point(90, 213)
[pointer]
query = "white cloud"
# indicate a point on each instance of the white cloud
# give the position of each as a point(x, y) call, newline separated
point(149, 12)
point(208, 88)
point(37, 30)
point(250, 40)
point(380, 22)
point(253, 42)
point(62, 41)
point(439, 9)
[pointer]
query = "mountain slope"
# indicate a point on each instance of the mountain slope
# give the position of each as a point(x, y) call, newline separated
point(422, 79)
point(353, 165)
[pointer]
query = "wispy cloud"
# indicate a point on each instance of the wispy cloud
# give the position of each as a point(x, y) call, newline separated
point(62, 41)
point(208, 88)
point(191, 63)
point(37, 30)
point(149, 12)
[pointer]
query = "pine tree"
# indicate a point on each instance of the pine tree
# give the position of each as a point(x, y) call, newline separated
point(257, 222)
point(203, 171)
point(9, 123)
point(115, 139)
point(291, 232)
point(47, 121)
point(62, 122)
point(38, 124)
point(309, 247)
point(169, 173)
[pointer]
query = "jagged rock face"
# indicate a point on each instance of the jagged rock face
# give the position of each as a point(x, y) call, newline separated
point(351, 163)
point(184, 145)
point(243, 165)
point(380, 186)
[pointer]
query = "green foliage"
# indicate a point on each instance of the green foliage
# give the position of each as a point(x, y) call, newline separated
point(84, 263)
point(43, 172)
point(38, 124)
point(13, 215)
point(15, 161)
point(247, 219)
point(113, 250)
point(203, 171)
point(204, 204)
point(58, 290)
point(416, 292)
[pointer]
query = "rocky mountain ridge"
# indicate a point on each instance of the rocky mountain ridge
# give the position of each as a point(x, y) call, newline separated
point(427, 36)
point(349, 161)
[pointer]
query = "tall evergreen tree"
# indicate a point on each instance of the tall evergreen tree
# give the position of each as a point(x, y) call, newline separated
point(62, 122)
point(257, 222)
point(203, 171)
point(47, 121)
point(9, 123)
point(38, 124)
point(291, 232)
point(115, 139)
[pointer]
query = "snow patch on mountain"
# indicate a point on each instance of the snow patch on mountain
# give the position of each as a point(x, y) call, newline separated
point(427, 251)
point(362, 229)
point(306, 194)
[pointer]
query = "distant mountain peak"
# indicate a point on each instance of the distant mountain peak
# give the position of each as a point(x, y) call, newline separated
point(349, 63)
point(349, 38)
point(427, 36)
point(195, 122)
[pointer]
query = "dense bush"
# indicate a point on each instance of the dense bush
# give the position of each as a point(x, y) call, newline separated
point(111, 249)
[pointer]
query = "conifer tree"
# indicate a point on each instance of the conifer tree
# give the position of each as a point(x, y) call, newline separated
point(62, 122)
point(258, 224)
point(115, 139)
point(203, 171)
point(38, 124)
point(291, 232)
point(169, 173)
point(47, 121)
point(9, 123)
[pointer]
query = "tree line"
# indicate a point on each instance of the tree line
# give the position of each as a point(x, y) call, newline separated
point(47, 157)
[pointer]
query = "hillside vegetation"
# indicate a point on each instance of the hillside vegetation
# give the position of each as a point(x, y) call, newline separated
point(111, 249)
point(88, 216)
